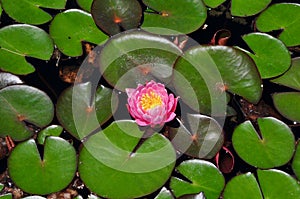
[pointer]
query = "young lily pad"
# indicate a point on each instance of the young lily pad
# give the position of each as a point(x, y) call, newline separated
point(29, 11)
point(68, 33)
point(278, 184)
point(20, 104)
point(288, 105)
point(291, 77)
point(18, 41)
point(80, 111)
point(203, 137)
point(51, 173)
point(209, 71)
point(271, 56)
point(118, 170)
point(115, 16)
point(53, 130)
point(203, 176)
point(85, 4)
point(7, 79)
point(242, 186)
point(164, 194)
point(244, 8)
point(213, 3)
point(273, 147)
point(136, 57)
point(285, 17)
point(174, 16)
point(296, 162)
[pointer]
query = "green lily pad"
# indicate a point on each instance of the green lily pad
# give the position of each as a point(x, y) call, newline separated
point(53, 130)
point(6, 196)
point(272, 148)
point(29, 11)
point(18, 41)
point(115, 16)
point(296, 162)
point(118, 171)
point(174, 16)
point(85, 4)
point(271, 56)
point(49, 174)
point(136, 57)
point(203, 176)
point(288, 105)
point(68, 33)
point(244, 8)
point(200, 137)
point(278, 184)
point(80, 112)
point(205, 72)
point(291, 77)
point(7, 79)
point(213, 3)
point(20, 104)
point(282, 16)
point(164, 194)
point(242, 186)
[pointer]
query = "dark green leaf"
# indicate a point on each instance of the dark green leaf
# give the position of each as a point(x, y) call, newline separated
point(53, 130)
point(213, 3)
point(85, 4)
point(288, 105)
point(296, 162)
point(244, 8)
point(6, 196)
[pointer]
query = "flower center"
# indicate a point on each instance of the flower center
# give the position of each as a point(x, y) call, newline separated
point(150, 100)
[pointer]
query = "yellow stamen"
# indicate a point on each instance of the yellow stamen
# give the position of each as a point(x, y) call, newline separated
point(150, 100)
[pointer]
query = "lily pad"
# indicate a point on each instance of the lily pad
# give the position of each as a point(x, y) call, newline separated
point(6, 196)
point(136, 57)
point(242, 186)
point(288, 105)
point(200, 137)
point(115, 16)
point(29, 11)
point(118, 170)
point(272, 147)
point(244, 8)
point(85, 4)
point(271, 56)
point(80, 111)
point(164, 194)
point(34, 197)
point(204, 73)
point(7, 79)
point(20, 105)
point(49, 174)
point(68, 34)
point(292, 77)
point(282, 16)
point(20, 40)
point(203, 176)
point(53, 130)
point(296, 162)
point(213, 3)
point(278, 184)
point(174, 16)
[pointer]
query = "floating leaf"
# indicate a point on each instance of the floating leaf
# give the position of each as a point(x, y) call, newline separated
point(285, 17)
point(6, 196)
point(291, 77)
point(278, 184)
point(242, 186)
point(7, 79)
point(115, 16)
point(128, 174)
point(137, 57)
point(29, 11)
point(68, 34)
point(20, 105)
point(296, 162)
point(204, 177)
point(80, 112)
point(85, 4)
point(203, 140)
point(273, 147)
point(204, 73)
point(288, 105)
point(18, 41)
point(213, 3)
point(244, 8)
point(164, 194)
point(174, 16)
point(271, 56)
point(53, 130)
point(50, 174)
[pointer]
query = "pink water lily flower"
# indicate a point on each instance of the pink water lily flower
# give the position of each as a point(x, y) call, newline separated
point(150, 104)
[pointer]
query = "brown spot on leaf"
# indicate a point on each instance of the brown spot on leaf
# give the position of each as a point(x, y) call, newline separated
point(21, 117)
